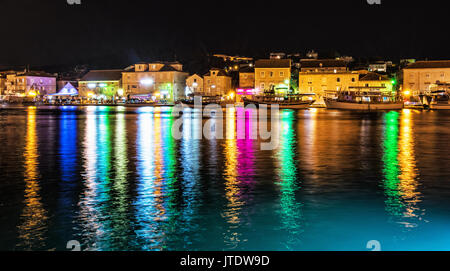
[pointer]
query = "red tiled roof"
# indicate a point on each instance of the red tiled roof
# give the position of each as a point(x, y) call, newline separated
point(273, 63)
point(429, 64)
point(103, 75)
point(322, 63)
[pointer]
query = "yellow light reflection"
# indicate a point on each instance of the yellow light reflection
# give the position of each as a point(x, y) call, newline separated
point(159, 170)
point(34, 216)
point(408, 169)
point(234, 204)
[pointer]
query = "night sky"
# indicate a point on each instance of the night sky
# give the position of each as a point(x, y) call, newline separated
point(119, 33)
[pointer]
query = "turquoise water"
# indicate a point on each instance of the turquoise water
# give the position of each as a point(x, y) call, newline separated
point(114, 178)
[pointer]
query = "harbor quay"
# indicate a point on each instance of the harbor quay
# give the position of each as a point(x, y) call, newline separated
point(290, 83)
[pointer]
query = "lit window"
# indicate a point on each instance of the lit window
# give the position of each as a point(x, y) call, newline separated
point(262, 74)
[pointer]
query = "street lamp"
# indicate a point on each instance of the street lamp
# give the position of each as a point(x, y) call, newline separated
point(147, 81)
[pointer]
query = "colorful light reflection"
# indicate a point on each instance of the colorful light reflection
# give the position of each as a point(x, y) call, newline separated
point(290, 207)
point(400, 169)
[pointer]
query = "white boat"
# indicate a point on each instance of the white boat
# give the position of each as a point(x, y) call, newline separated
point(364, 99)
point(362, 106)
point(291, 101)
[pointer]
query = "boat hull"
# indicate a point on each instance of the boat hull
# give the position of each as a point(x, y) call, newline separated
point(363, 106)
point(303, 105)
point(415, 107)
point(440, 106)
point(192, 105)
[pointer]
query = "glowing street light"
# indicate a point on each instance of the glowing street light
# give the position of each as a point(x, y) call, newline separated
point(147, 81)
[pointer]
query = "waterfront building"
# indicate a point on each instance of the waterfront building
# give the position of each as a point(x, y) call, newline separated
point(375, 81)
point(273, 75)
point(101, 84)
point(30, 83)
point(157, 80)
point(194, 85)
point(216, 82)
point(246, 83)
point(325, 76)
point(422, 76)
point(324, 83)
point(247, 77)
point(380, 66)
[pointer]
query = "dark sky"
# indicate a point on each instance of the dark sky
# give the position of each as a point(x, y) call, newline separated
point(119, 33)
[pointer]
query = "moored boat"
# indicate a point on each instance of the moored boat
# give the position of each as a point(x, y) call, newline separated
point(291, 101)
point(362, 106)
point(413, 105)
point(365, 100)
point(205, 100)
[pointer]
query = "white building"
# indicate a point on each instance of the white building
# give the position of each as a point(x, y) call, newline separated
point(30, 83)
point(194, 84)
